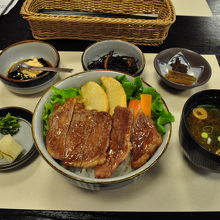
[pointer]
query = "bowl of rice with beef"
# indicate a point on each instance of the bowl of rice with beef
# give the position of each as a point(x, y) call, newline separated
point(101, 129)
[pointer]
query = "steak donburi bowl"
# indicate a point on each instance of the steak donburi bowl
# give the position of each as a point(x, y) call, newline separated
point(84, 174)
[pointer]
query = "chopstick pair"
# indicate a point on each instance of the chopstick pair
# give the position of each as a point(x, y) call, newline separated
point(98, 14)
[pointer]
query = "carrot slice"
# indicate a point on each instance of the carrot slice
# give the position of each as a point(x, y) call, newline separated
point(146, 104)
point(135, 105)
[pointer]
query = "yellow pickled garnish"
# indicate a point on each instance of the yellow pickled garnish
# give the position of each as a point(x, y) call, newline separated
point(218, 152)
point(209, 140)
point(200, 113)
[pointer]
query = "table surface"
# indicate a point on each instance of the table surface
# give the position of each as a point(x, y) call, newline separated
point(178, 185)
point(173, 184)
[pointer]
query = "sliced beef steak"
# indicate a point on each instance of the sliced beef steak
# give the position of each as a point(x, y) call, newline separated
point(87, 139)
point(145, 140)
point(92, 139)
point(120, 145)
point(59, 123)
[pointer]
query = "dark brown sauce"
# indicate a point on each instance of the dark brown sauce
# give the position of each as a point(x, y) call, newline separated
point(113, 61)
point(19, 74)
point(207, 131)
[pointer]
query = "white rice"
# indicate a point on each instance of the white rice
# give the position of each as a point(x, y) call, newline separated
point(124, 168)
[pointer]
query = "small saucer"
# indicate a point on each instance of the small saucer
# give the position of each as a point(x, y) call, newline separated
point(196, 64)
point(23, 137)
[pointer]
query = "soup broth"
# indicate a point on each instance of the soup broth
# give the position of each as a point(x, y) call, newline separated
point(204, 125)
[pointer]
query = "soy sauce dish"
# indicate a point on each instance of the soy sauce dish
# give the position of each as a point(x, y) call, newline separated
point(35, 53)
point(199, 130)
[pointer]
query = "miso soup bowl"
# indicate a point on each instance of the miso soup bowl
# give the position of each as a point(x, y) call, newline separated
point(196, 153)
point(27, 49)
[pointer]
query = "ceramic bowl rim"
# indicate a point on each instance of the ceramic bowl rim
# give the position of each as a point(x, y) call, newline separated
point(94, 180)
point(27, 42)
point(115, 40)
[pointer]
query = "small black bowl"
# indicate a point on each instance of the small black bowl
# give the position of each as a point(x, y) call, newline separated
point(198, 155)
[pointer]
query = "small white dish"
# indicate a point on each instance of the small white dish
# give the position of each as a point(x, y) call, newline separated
point(119, 47)
point(26, 50)
point(23, 137)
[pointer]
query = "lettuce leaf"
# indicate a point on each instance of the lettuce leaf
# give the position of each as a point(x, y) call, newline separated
point(134, 89)
point(164, 118)
point(59, 97)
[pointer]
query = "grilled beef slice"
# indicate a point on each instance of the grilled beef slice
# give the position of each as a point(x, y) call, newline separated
point(59, 122)
point(87, 139)
point(120, 145)
point(145, 140)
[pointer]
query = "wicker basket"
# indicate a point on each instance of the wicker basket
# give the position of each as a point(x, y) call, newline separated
point(138, 31)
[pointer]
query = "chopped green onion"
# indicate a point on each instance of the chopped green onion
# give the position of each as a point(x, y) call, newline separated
point(204, 135)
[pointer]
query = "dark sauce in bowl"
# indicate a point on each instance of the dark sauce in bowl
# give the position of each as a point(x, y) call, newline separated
point(206, 130)
point(24, 74)
point(112, 61)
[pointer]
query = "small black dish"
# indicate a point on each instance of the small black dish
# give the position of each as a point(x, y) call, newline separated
point(24, 136)
point(198, 155)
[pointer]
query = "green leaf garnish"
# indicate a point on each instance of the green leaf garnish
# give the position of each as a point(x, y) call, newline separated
point(134, 89)
point(9, 124)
